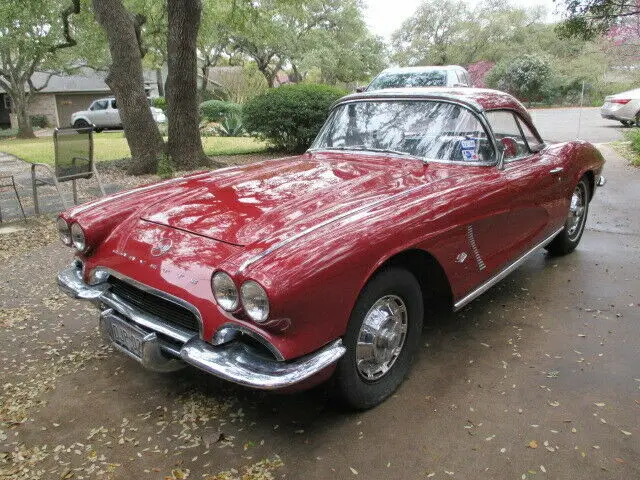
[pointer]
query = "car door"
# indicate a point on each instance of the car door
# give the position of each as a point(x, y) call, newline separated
point(98, 115)
point(532, 181)
point(113, 114)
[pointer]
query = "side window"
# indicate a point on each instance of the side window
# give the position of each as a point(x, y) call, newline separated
point(532, 140)
point(99, 105)
point(114, 105)
point(504, 126)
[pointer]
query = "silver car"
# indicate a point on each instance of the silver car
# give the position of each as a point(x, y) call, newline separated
point(103, 113)
point(428, 76)
point(624, 107)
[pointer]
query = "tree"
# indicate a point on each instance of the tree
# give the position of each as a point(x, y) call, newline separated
point(32, 33)
point(185, 145)
point(589, 18)
point(214, 39)
point(126, 81)
point(426, 38)
point(527, 77)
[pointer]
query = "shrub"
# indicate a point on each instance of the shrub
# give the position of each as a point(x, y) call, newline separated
point(159, 102)
point(39, 121)
point(231, 126)
point(216, 110)
point(8, 132)
point(165, 167)
point(528, 77)
point(290, 116)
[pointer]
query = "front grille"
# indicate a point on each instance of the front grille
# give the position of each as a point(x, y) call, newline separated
point(168, 311)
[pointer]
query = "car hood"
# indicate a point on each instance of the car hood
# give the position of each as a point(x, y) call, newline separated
point(272, 200)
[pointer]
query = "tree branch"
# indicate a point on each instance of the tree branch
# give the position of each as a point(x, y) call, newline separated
point(138, 21)
point(72, 9)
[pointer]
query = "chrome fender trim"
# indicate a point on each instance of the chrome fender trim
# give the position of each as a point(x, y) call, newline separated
point(502, 273)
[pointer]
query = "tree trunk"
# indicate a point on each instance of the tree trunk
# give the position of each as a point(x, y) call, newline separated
point(185, 145)
point(21, 106)
point(160, 82)
point(127, 83)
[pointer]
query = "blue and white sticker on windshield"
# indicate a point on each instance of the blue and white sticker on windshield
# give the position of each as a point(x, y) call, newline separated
point(468, 144)
point(469, 149)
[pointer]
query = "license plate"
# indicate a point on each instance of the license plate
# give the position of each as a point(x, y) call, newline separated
point(126, 336)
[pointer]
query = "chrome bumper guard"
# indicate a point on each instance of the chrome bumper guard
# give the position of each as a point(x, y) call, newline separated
point(234, 361)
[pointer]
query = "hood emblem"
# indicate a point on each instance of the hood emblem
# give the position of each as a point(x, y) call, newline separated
point(161, 247)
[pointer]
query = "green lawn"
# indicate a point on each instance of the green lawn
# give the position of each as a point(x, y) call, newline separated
point(113, 146)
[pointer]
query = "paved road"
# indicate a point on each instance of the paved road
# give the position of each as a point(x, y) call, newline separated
point(564, 124)
point(537, 379)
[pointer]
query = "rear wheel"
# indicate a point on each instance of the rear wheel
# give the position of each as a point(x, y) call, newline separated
point(567, 240)
point(382, 335)
point(628, 123)
point(638, 119)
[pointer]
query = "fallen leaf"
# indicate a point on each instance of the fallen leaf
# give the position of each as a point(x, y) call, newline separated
point(533, 444)
point(353, 470)
point(554, 403)
point(619, 460)
point(628, 434)
point(542, 469)
point(599, 404)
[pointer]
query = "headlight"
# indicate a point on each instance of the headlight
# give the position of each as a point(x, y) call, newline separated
point(225, 291)
point(64, 231)
point(77, 237)
point(255, 301)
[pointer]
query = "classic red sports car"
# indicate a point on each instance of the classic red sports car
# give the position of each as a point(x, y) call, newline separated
point(286, 273)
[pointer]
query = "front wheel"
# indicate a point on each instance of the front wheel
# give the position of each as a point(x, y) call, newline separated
point(382, 335)
point(567, 240)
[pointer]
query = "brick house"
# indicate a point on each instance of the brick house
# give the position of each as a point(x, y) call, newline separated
point(65, 94)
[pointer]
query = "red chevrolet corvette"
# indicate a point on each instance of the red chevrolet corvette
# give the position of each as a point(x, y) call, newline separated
point(286, 273)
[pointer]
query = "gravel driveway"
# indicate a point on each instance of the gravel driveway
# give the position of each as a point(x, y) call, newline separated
point(537, 379)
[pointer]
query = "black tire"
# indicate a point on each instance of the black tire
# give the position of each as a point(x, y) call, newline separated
point(638, 119)
point(98, 130)
point(349, 388)
point(81, 125)
point(568, 239)
point(628, 123)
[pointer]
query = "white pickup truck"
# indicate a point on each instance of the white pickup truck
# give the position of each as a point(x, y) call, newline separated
point(103, 113)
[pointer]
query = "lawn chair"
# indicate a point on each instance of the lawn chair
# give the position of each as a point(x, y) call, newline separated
point(9, 181)
point(73, 161)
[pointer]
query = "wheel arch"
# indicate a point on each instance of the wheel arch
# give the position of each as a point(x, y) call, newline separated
point(433, 280)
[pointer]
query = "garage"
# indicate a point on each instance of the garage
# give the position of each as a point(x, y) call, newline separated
point(69, 103)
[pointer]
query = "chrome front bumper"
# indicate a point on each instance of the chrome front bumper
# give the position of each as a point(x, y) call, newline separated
point(234, 360)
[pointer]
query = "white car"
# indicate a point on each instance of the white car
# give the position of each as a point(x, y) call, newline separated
point(103, 113)
point(624, 107)
point(432, 76)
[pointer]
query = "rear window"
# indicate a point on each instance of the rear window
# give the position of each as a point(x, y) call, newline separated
point(432, 78)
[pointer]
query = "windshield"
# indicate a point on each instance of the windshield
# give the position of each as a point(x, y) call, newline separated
point(426, 129)
point(432, 78)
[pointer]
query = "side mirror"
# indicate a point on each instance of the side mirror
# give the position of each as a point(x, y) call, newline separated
point(509, 148)
point(360, 89)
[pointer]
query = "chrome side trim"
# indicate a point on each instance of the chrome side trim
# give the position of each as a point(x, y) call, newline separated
point(474, 248)
point(502, 273)
point(309, 230)
point(236, 363)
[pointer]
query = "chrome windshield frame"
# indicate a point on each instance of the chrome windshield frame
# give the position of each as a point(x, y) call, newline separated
point(473, 108)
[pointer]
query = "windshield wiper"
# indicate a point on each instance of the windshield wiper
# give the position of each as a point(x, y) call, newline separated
point(364, 148)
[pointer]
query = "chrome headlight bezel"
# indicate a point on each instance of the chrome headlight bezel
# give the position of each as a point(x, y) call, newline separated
point(64, 231)
point(225, 291)
point(255, 301)
point(78, 238)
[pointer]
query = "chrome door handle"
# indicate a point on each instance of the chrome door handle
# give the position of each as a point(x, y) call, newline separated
point(553, 171)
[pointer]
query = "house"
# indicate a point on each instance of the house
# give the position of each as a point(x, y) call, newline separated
point(65, 94)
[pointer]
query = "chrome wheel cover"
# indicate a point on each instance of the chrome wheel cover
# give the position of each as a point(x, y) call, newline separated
point(382, 337)
point(576, 216)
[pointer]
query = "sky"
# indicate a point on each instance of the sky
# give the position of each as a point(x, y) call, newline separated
point(385, 16)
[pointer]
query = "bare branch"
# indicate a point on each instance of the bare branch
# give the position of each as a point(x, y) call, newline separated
point(138, 21)
point(72, 9)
